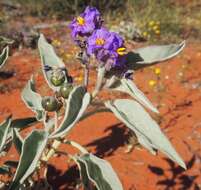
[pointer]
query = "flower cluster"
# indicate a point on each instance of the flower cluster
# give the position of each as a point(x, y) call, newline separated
point(86, 23)
point(108, 47)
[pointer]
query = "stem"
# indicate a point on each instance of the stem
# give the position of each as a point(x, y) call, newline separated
point(56, 121)
point(99, 83)
point(86, 76)
point(76, 145)
point(52, 151)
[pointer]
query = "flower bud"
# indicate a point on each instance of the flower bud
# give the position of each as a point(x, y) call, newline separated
point(58, 77)
point(65, 90)
point(50, 103)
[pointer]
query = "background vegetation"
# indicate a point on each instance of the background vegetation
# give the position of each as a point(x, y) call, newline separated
point(169, 20)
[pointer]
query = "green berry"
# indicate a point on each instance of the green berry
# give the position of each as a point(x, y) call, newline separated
point(58, 77)
point(50, 103)
point(65, 90)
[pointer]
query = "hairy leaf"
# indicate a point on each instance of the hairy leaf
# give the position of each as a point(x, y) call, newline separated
point(32, 149)
point(23, 123)
point(5, 41)
point(83, 174)
point(77, 103)
point(156, 170)
point(127, 86)
point(49, 124)
point(11, 163)
point(4, 56)
point(153, 54)
point(146, 129)
point(33, 99)
point(4, 131)
point(49, 59)
point(17, 140)
point(100, 172)
point(4, 170)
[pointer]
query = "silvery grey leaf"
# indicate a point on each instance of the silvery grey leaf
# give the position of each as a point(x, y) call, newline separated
point(146, 56)
point(32, 148)
point(146, 129)
point(33, 99)
point(77, 103)
point(49, 59)
point(4, 56)
point(4, 170)
point(49, 124)
point(83, 174)
point(100, 172)
point(17, 140)
point(4, 132)
point(23, 123)
point(127, 86)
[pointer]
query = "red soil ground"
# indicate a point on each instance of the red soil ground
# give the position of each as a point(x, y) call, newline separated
point(177, 93)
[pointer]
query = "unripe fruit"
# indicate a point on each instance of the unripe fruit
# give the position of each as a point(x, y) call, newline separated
point(50, 103)
point(65, 90)
point(58, 77)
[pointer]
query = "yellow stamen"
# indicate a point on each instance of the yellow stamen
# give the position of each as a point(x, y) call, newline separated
point(80, 20)
point(121, 51)
point(100, 41)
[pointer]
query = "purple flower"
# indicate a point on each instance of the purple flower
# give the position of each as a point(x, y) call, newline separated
point(108, 47)
point(86, 23)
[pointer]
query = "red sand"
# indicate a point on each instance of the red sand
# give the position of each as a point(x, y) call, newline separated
point(180, 109)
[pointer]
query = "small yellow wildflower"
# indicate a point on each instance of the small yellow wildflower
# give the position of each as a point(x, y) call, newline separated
point(145, 34)
point(151, 23)
point(56, 42)
point(79, 79)
point(152, 83)
point(156, 27)
point(67, 55)
point(158, 32)
point(157, 71)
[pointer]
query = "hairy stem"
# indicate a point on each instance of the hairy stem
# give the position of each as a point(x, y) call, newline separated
point(56, 120)
point(99, 83)
point(86, 76)
point(52, 151)
point(76, 145)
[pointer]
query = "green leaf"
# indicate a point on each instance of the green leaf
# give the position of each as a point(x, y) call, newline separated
point(49, 124)
point(100, 172)
point(4, 170)
point(4, 56)
point(127, 86)
point(23, 123)
point(83, 174)
point(32, 150)
point(153, 54)
point(33, 99)
point(77, 103)
point(11, 163)
point(4, 131)
point(17, 140)
point(146, 129)
point(5, 41)
point(48, 58)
